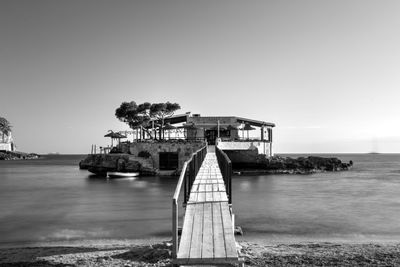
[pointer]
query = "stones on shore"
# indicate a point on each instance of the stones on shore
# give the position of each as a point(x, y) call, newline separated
point(152, 254)
point(157, 255)
point(320, 254)
point(135, 255)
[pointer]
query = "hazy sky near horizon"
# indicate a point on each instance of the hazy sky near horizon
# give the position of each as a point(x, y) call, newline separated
point(325, 72)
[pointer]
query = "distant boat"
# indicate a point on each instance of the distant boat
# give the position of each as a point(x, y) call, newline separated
point(121, 174)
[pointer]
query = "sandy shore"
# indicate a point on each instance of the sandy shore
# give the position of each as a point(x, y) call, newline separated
point(157, 253)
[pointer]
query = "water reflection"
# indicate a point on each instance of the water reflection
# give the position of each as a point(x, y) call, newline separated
point(342, 205)
point(56, 201)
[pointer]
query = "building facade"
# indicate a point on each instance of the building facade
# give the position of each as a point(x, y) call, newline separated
point(232, 133)
point(6, 142)
point(164, 150)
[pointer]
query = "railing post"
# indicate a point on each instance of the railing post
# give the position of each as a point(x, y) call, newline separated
point(174, 228)
point(185, 187)
point(194, 165)
point(198, 163)
point(227, 178)
point(230, 181)
point(188, 183)
point(225, 165)
point(192, 177)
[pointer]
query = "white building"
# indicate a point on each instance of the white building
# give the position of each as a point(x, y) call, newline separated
point(6, 142)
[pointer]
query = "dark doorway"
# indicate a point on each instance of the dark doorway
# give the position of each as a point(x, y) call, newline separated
point(169, 160)
point(211, 135)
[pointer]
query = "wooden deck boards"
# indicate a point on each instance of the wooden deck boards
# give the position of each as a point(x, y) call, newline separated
point(207, 234)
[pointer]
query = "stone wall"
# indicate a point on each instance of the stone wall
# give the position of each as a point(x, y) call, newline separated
point(100, 164)
point(184, 150)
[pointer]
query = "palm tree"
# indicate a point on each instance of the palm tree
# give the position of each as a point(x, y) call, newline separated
point(5, 127)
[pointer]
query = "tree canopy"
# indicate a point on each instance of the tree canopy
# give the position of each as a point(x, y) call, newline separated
point(5, 126)
point(163, 110)
point(134, 115)
point(140, 115)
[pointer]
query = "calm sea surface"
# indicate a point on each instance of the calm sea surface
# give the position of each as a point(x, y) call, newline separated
point(52, 200)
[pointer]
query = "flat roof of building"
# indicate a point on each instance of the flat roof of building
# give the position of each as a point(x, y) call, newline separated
point(181, 118)
point(255, 122)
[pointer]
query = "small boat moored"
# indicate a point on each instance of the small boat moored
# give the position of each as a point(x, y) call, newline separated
point(122, 174)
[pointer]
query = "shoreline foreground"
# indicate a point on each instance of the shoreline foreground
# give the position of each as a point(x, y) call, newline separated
point(132, 253)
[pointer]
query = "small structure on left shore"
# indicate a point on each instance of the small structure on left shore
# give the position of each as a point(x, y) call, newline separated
point(6, 140)
point(7, 145)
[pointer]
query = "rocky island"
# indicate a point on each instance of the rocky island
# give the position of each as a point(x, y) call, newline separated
point(100, 164)
point(288, 165)
point(14, 155)
point(162, 142)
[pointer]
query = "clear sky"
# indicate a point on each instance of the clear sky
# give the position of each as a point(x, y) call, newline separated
point(327, 73)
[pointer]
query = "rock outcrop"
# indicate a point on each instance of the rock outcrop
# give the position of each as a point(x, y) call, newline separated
point(12, 155)
point(100, 164)
point(301, 165)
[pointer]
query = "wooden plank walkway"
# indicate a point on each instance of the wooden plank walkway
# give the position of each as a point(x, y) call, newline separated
point(207, 234)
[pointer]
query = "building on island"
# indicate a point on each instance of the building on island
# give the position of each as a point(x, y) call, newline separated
point(242, 139)
point(232, 133)
point(163, 150)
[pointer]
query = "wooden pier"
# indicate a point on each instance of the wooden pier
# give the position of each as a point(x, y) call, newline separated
point(208, 229)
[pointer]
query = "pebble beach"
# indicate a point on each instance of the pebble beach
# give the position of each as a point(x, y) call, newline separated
point(134, 253)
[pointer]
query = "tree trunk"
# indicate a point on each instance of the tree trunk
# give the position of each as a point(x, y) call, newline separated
point(147, 131)
point(162, 127)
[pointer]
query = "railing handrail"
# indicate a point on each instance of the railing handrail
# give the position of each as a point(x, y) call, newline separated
point(183, 180)
point(228, 160)
point(244, 140)
point(183, 172)
point(180, 181)
point(225, 164)
point(167, 139)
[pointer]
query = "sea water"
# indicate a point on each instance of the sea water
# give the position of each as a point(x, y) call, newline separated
point(50, 199)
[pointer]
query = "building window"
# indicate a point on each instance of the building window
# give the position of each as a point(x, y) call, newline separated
point(169, 160)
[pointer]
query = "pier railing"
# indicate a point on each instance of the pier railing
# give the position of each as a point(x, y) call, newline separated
point(100, 150)
point(187, 177)
point(225, 165)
